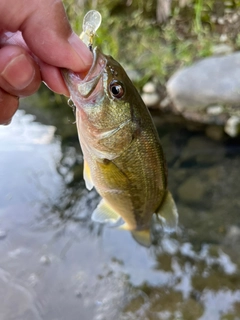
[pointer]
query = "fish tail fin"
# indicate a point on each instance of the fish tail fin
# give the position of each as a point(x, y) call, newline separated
point(168, 213)
point(143, 237)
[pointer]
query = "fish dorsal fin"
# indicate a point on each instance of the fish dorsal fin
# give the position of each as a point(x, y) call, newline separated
point(87, 176)
point(142, 237)
point(104, 213)
point(168, 213)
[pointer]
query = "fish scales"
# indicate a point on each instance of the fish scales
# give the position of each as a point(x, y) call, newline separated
point(147, 189)
point(123, 157)
point(140, 161)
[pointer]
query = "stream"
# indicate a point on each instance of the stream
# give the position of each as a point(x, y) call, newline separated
point(56, 264)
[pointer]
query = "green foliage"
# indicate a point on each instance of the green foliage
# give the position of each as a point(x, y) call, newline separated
point(131, 34)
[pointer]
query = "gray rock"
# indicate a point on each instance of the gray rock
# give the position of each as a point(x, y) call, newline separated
point(232, 127)
point(232, 236)
point(222, 49)
point(150, 99)
point(165, 103)
point(212, 81)
point(215, 110)
point(163, 10)
point(149, 87)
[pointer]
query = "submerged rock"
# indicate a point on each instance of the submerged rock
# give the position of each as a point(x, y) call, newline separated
point(192, 190)
point(212, 81)
point(45, 260)
point(215, 132)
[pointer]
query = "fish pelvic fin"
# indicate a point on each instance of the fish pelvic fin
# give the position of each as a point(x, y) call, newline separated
point(168, 213)
point(87, 176)
point(105, 214)
point(143, 237)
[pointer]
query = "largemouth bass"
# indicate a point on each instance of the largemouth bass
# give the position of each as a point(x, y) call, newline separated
point(123, 157)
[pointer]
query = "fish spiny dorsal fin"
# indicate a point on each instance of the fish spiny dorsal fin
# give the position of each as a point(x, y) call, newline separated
point(105, 214)
point(87, 176)
point(168, 213)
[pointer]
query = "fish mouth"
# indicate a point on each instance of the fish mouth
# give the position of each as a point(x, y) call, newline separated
point(89, 87)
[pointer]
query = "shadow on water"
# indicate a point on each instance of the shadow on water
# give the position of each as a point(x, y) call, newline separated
point(57, 264)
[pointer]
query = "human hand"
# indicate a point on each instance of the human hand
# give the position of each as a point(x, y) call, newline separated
point(35, 41)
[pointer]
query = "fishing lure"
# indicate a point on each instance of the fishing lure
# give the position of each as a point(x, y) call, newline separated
point(91, 23)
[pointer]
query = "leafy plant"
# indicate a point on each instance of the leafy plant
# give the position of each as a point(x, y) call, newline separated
point(130, 33)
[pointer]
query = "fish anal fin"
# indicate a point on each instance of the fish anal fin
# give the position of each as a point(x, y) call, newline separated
point(124, 226)
point(143, 237)
point(168, 213)
point(105, 214)
point(87, 176)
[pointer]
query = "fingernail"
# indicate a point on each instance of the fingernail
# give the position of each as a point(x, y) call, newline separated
point(81, 49)
point(19, 72)
point(6, 123)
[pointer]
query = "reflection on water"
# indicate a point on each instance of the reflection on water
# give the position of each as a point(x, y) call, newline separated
point(57, 264)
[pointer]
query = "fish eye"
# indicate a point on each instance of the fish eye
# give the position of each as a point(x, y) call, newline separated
point(116, 89)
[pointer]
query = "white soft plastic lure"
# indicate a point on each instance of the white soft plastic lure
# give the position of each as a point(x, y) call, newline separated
point(91, 22)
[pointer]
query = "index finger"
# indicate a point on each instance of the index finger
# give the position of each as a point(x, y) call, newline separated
point(47, 32)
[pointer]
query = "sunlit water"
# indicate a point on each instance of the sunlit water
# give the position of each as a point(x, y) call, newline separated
point(56, 264)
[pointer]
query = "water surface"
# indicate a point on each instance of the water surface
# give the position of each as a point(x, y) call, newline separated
point(56, 264)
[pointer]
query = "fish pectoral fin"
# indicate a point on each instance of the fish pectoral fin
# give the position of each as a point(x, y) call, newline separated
point(104, 213)
point(143, 237)
point(168, 213)
point(87, 176)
